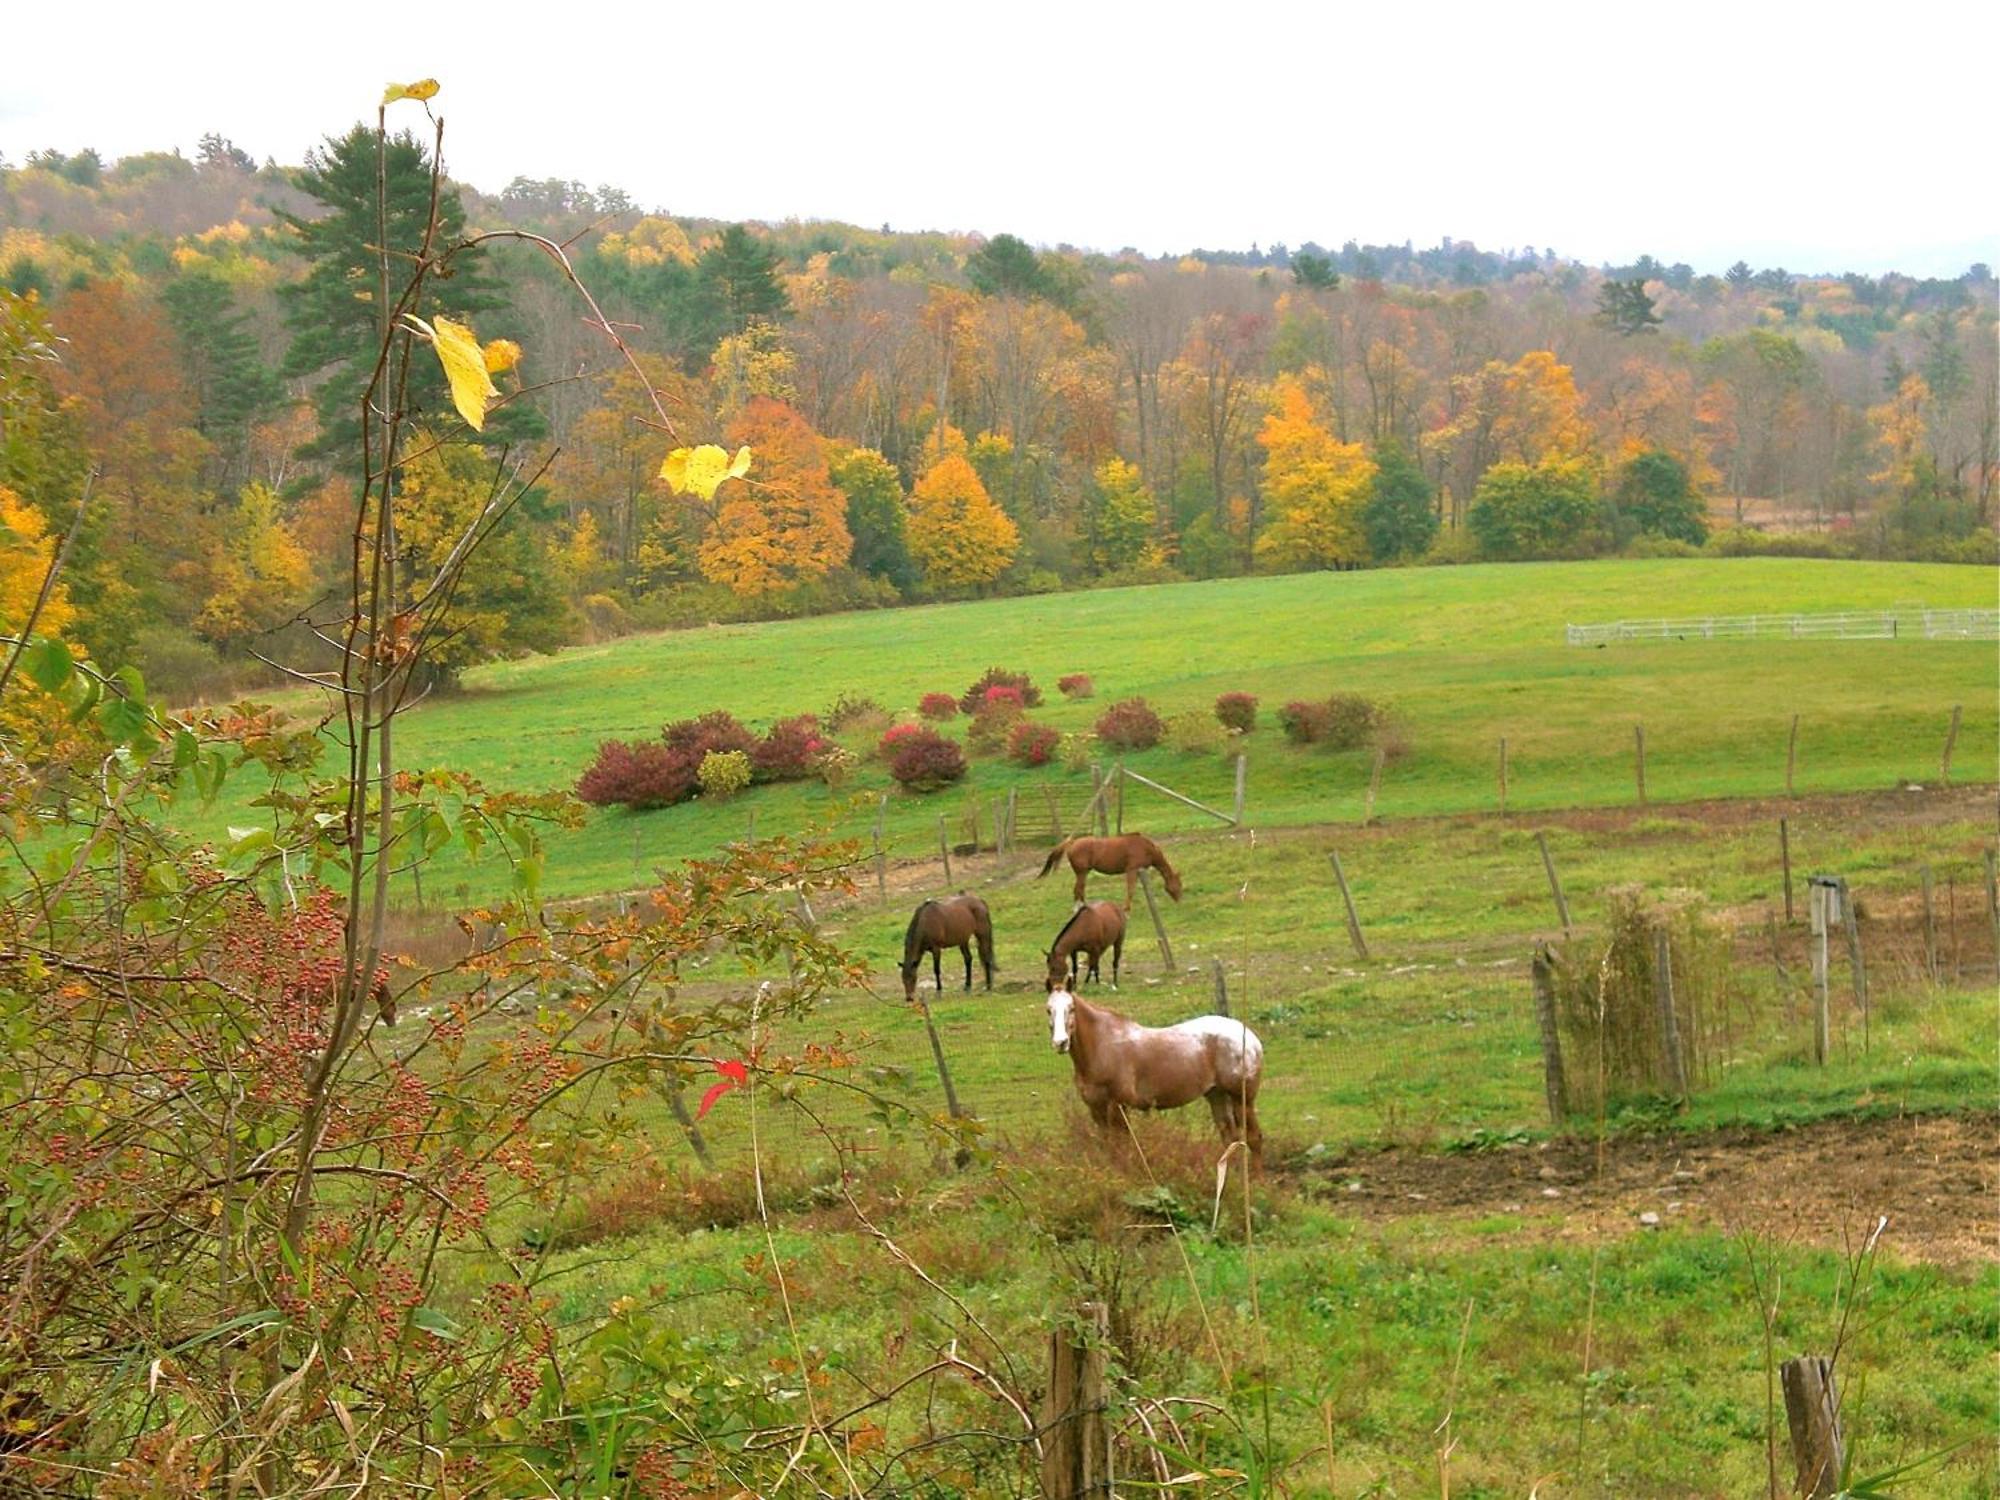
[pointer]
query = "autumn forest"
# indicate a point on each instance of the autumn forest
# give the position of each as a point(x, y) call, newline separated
point(933, 415)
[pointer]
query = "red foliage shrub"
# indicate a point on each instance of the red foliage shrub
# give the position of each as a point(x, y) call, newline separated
point(999, 696)
point(1237, 711)
point(895, 735)
point(1076, 685)
point(1304, 723)
point(938, 706)
point(789, 751)
point(925, 760)
point(640, 774)
point(1031, 696)
point(715, 730)
point(1031, 744)
point(991, 726)
point(1131, 725)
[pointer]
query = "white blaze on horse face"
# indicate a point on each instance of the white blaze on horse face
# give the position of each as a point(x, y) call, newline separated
point(1061, 1005)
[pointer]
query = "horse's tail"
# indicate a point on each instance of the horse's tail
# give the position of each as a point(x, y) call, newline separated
point(1054, 855)
point(910, 932)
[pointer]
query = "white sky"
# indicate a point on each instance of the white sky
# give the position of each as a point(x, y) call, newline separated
point(1824, 137)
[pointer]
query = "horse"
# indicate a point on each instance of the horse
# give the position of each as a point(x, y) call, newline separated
point(1089, 931)
point(1119, 854)
point(955, 922)
point(1121, 1065)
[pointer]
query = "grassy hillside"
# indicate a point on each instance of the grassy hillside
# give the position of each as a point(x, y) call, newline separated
point(1464, 656)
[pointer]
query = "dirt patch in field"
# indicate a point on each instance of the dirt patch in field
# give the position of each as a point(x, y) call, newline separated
point(1937, 1178)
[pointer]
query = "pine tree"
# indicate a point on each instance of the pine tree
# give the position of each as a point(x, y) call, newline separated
point(1399, 518)
point(335, 311)
point(233, 389)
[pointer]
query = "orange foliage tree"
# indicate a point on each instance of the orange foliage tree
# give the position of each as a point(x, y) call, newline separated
point(788, 523)
point(1315, 484)
point(958, 536)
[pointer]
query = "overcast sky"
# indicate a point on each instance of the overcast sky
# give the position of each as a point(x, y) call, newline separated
point(1819, 138)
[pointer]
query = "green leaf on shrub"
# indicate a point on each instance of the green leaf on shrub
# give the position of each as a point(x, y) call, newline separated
point(48, 665)
point(433, 1322)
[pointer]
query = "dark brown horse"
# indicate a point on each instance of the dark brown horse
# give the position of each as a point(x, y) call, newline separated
point(1089, 931)
point(956, 922)
point(1119, 854)
point(1122, 1065)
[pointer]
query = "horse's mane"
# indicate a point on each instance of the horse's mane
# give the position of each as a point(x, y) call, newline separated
point(1066, 927)
point(910, 932)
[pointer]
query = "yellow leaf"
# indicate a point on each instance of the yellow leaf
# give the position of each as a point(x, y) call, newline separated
point(502, 355)
point(701, 471)
point(424, 88)
point(464, 367)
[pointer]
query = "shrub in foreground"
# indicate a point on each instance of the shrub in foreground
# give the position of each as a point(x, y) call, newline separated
point(992, 725)
point(925, 761)
point(938, 706)
point(852, 711)
point(1237, 711)
point(1196, 733)
point(715, 730)
point(1031, 696)
point(637, 774)
point(1130, 725)
point(895, 736)
point(724, 773)
point(1076, 686)
point(1345, 721)
point(789, 750)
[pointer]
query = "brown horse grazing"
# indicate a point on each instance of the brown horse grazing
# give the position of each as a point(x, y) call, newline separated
point(1120, 854)
point(1122, 1065)
point(1089, 931)
point(956, 922)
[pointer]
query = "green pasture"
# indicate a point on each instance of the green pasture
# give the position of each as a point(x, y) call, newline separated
point(1463, 656)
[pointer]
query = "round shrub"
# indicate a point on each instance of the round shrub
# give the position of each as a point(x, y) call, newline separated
point(850, 711)
point(991, 726)
point(716, 730)
point(1075, 686)
point(789, 751)
point(1002, 696)
point(926, 761)
point(1196, 733)
point(835, 764)
point(639, 774)
point(724, 773)
point(1031, 744)
point(938, 706)
point(1352, 720)
point(896, 735)
point(1031, 696)
point(1131, 725)
point(1237, 711)
point(1077, 751)
point(1304, 723)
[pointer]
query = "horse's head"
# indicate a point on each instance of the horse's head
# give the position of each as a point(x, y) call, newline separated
point(1062, 1008)
point(1173, 884)
point(1058, 975)
point(909, 972)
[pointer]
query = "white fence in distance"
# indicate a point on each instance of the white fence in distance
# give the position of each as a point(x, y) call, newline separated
point(1842, 625)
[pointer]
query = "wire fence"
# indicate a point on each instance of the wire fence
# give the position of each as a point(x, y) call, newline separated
point(1902, 623)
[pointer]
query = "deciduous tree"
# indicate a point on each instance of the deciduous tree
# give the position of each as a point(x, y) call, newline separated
point(958, 536)
point(786, 523)
point(1315, 487)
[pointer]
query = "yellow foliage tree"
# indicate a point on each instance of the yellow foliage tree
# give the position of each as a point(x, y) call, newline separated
point(958, 536)
point(1315, 485)
point(1541, 412)
point(258, 573)
point(1900, 430)
point(26, 550)
point(755, 362)
point(786, 523)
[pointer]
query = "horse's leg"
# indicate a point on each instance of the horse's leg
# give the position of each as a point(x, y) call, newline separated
point(1131, 880)
point(1082, 874)
point(1252, 1131)
point(937, 968)
point(1117, 956)
point(1222, 1105)
point(966, 949)
point(986, 956)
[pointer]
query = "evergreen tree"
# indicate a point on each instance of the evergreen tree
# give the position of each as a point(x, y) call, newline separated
point(1624, 307)
point(1398, 517)
point(334, 312)
point(1656, 493)
point(231, 386)
point(1315, 271)
point(740, 272)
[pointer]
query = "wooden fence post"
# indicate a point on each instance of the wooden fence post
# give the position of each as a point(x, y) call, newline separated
point(937, 1056)
point(1503, 773)
point(1543, 971)
point(1950, 741)
point(1242, 775)
point(1785, 854)
point(1076, 1442)
point(1819, 891)
point(1159, 927)
point(1812, 1411)
point(1555, 885)
point(1221, 988)
point(1791, 764)
point(1663, 995)
point(1993, 903)
point(881, 854)
point(671, 1091)
point(1118, 772)
point(1639, 759)
point(1857, 969)
point(1930, 927)
point(944, 849)
point(1347, 899)
point(1007, 828)
point(1374, 785)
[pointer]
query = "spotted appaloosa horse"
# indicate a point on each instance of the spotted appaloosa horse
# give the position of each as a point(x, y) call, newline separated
point(956, 922)
point(1121, 1065)
point(1119, 854)
point(1088, 932)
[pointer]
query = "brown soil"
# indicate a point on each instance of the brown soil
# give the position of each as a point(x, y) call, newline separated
point(1936, 1178)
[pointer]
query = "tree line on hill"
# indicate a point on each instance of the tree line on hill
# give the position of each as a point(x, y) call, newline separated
point(932, 415)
